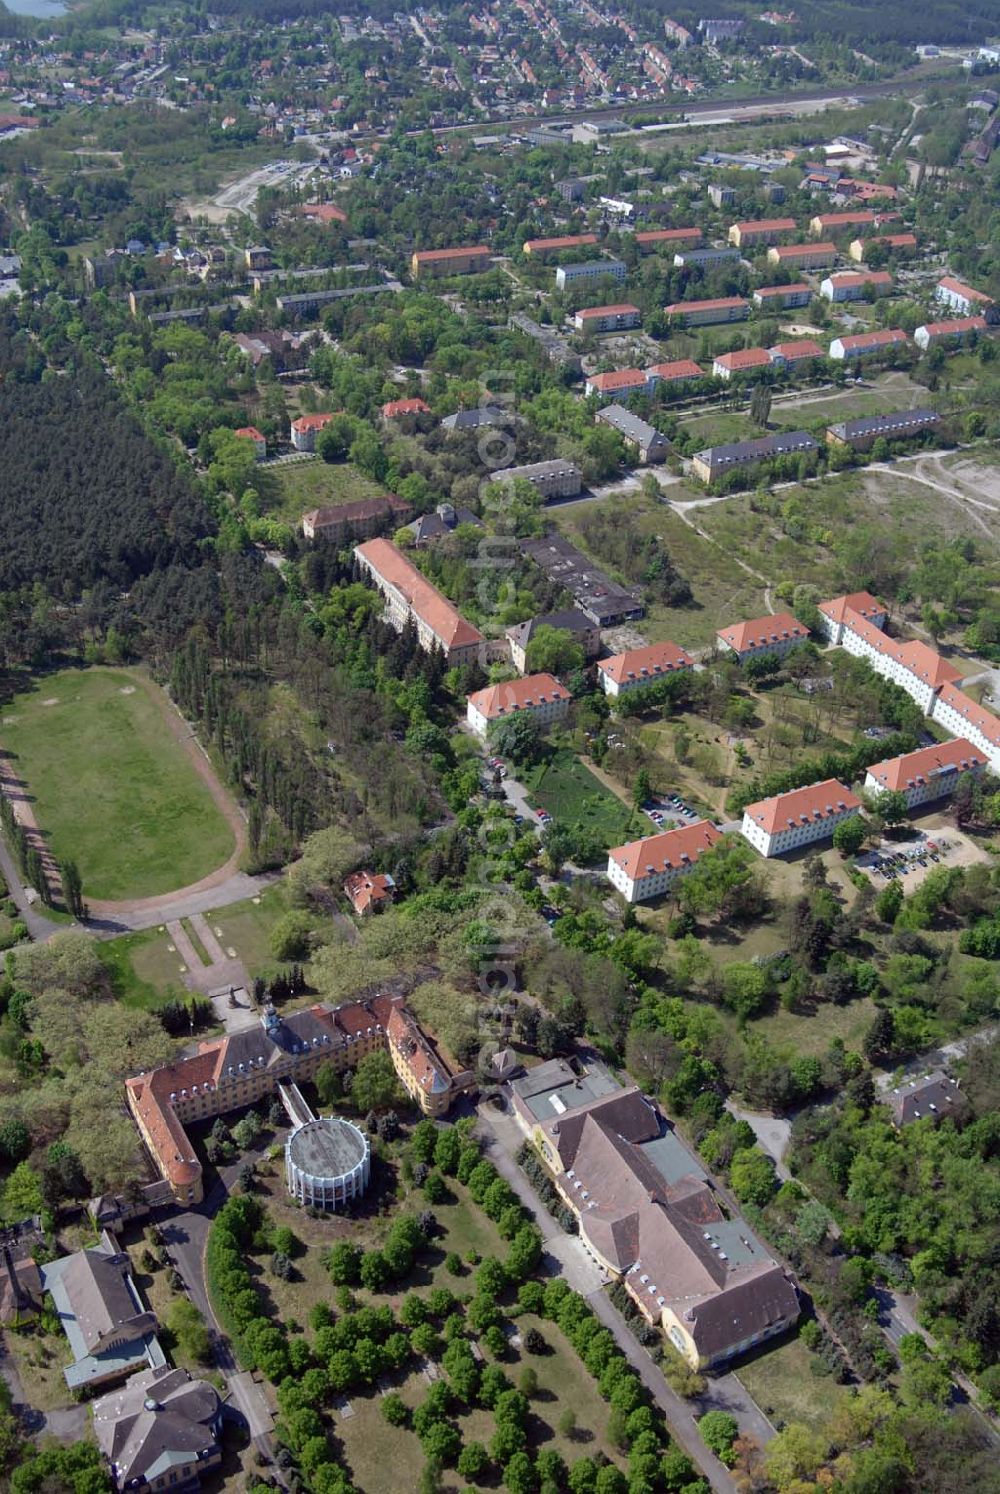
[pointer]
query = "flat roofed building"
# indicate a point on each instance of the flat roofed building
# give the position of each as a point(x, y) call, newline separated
point(648, 868)
point(867, 344)
point(776, 634)
point(641, 666)
point(862, 433)
point(804, 256)
point(411, 597)
point(649, 444)
point(760, 231)
point(742, 361)
point(788, 821)
point(462, 261)
point(714, 461)
point(552, 479)
point(541, 248)
point(596, 595)
point(583, 629)
point(699, 258)
point(783, 296)
point(537, 695)
point(590, 269)
point(928, 773)
point(836, 612)
point(618, 318)
point(959, 297)
point(953, 329)
point(555, 348)
point(707, 313)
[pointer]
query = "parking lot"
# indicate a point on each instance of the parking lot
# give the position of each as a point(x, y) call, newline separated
point(669, 811)
point(910, 860)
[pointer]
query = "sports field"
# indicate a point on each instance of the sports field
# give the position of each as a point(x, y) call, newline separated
point(111, 786)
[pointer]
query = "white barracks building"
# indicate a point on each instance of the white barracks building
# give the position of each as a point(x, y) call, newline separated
point(774, 826)
point(929, 773)
point(537, 695)
point(645, 869)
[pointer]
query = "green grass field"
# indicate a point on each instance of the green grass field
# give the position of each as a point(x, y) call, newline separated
point(111, 786)
point(573, 796)
point(782, 1383)
point(290, 490)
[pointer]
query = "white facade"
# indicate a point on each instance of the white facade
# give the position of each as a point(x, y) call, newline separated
point(591, 269)
point(959, 725)
point(544, 712)
point(642, 889)
point(326, 1191)
point(776, 843)
point(934, 785)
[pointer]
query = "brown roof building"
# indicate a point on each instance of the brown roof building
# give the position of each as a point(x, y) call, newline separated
point(411, 597)
point(358, 520)
point(650, 1216)
point(369, 892)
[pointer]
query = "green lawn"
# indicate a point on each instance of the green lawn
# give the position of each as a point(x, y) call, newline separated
point(293, 488)
point(246, 927)
point(573, 796)
point(143, 970)
point(782, 1383)
point(111, 786)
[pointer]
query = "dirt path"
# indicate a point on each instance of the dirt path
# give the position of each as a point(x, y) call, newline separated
point(227, 807)
point(15, 790)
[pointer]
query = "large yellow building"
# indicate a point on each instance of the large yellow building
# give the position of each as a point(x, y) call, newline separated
point(235, 1071)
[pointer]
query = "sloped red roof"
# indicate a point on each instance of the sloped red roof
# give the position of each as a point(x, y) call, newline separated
point(441, 616)
point(761, 631)
point(819, 801)
point(654, 660)
point(912, 768)
point(667, 851)
point(517, 695)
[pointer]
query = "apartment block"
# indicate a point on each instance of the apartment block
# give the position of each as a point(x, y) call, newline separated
point(788, 821)
point(645, 869)
point(708, 313)
point(590, 269)
point(539, 696)
point(427, 263)
point(929, 773)
point(619, 318)
point(777, 635)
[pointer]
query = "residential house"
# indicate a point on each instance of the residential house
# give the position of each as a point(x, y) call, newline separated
point(427, 263)
point(583, 629)
point(618, 318)
point(931, 1097)
point(251, 433)
point(861, 434)
point(162, 1429)
point(540, 249)
point(801, 350)
point(715, 461)
point(624, 381)
point(952, 330)
point(789, 821)
point(708, 313)
point(645, 869)
point(369, 892)
point(804, 256)
point(410, 597)
point(306, 428)
point(777, 635)
point(761, 231)
point(782, 297)
point(667, 238)
point(539, 696)
point(444, 520)
point(590, 269)
point(903, 245)
point(648, 444)
point(960, 298)
point(110, 1331)
point(395, 408)
point(552, 479)
point(322, 212)
point(929, 773)
point(856, 285)
point(867, 344)
point(641, 666)
point(356, 521)
point(742, 361)
point(836, 613)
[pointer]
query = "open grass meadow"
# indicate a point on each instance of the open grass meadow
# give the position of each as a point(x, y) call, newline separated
point(783, 1384)
point(111, 787)
point(573, 796)
point(290, 489)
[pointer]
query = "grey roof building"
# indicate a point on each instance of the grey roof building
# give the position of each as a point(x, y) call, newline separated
point(159, 1430)
point(471, 420)
point(714, 460)
point(442, 521)
point(868, 428)
point(933, 1096)
point(651, 444)
point(110, 1332)
point(552, 479)
point(596, 595)
point(584, 630)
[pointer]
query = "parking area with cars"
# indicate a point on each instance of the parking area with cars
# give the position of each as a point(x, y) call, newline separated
point(911, 859)
point(667, 811)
